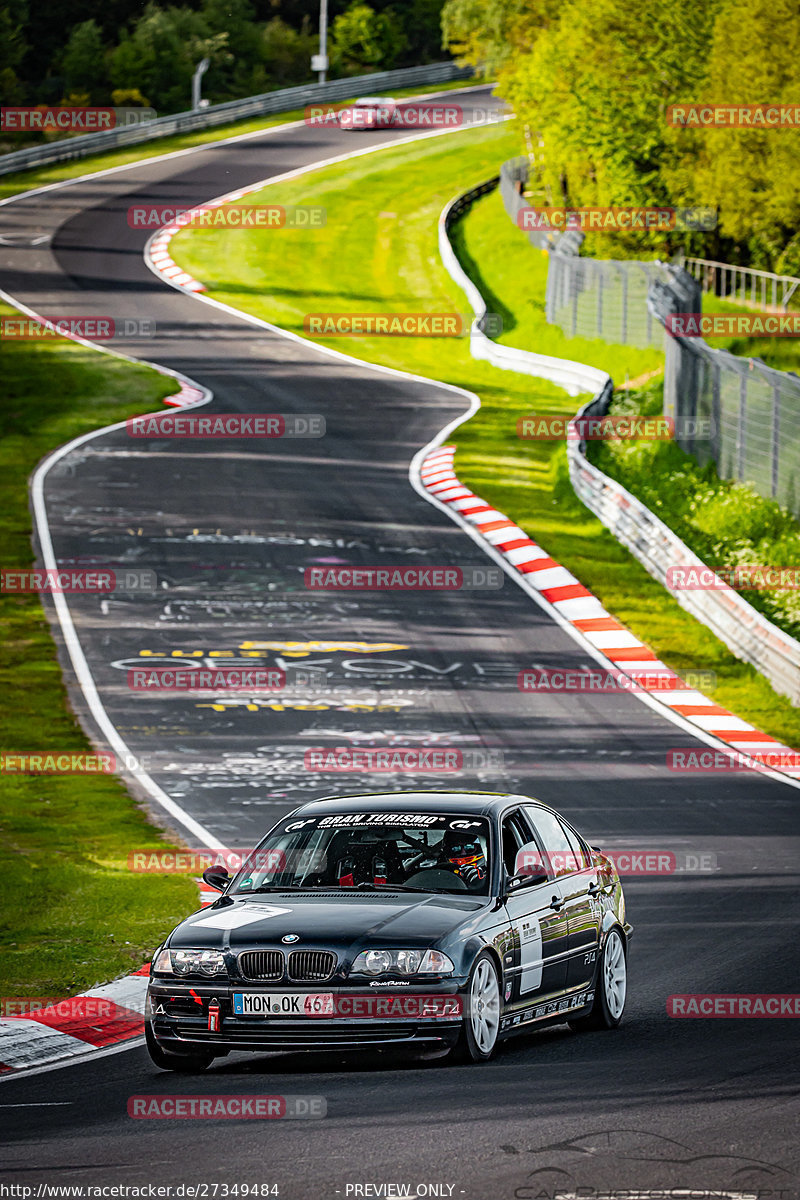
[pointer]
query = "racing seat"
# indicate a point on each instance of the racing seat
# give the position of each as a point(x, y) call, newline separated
point(351, 858)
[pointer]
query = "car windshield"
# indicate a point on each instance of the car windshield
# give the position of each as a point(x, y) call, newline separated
point(428, 852)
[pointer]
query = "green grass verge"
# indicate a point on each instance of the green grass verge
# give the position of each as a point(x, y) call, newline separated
point(71, 914)
point(378, 252)
point(23, 181)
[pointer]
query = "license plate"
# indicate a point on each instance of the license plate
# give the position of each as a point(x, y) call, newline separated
point(283, 1004)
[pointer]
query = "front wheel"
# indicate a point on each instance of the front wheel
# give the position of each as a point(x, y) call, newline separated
point(478, 1039)
point(187, 1064)
point(612, 988)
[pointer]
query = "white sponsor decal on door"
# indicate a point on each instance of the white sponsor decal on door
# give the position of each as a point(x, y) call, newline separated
point(530, 947)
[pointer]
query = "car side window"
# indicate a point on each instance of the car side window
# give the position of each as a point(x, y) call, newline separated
point(514, 837)
point(563, 855)
point(582, 857)
point(530, 860)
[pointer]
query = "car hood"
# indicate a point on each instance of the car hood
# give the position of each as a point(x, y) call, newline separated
point(326, 920)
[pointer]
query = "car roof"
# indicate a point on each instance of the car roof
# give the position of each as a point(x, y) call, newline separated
point(479, 803)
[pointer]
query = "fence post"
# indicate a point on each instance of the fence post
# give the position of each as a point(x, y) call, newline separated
point(599, 278)
point(716, 412)
point(776, 437)
point(741, 438)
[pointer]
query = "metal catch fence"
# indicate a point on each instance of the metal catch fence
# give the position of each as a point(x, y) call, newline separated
point(739, 412)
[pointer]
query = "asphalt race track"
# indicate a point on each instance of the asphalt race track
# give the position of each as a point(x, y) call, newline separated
point(229, 526)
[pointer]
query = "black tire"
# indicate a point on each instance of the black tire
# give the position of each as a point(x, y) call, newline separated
point(479, 1035)
point(187, 1064)
point(611, 989)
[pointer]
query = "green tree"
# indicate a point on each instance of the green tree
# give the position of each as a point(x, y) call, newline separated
point(491, 34)
point(595, 88)
point(362, 38)
point(753, 175)
point(230, 73)
point(161, 54)
point(84, 62)
point(285, 53)
point(13, 47)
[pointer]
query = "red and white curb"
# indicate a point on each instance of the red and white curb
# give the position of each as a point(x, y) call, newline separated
point(186, 396)
point(579, 608)
point(75, 1026)
point(165, 265)
point(94, 1020)
point(157, 255)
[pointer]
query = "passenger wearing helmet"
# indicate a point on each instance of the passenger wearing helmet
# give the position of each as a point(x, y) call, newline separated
point(464, 856)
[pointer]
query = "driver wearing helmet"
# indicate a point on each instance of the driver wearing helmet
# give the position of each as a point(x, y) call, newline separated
point(464, 856)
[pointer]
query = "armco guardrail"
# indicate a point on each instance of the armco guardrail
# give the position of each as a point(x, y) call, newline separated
point(745, 632)
point(234, 110)
point(574, 377)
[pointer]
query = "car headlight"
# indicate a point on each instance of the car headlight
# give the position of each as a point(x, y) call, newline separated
point(403, 962)
point(189, 962)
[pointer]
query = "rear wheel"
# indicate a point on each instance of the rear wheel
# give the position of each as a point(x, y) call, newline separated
point(612, 988)
point(190, 1063)
point(478, 1039)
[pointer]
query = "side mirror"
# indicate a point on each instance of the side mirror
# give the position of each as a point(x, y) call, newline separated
point(526, 879)
point(217, 878)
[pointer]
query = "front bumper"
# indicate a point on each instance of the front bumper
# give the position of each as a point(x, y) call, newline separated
point(181, 1017)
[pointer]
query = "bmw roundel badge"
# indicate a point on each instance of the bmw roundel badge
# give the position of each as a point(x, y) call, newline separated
point(291, 937)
